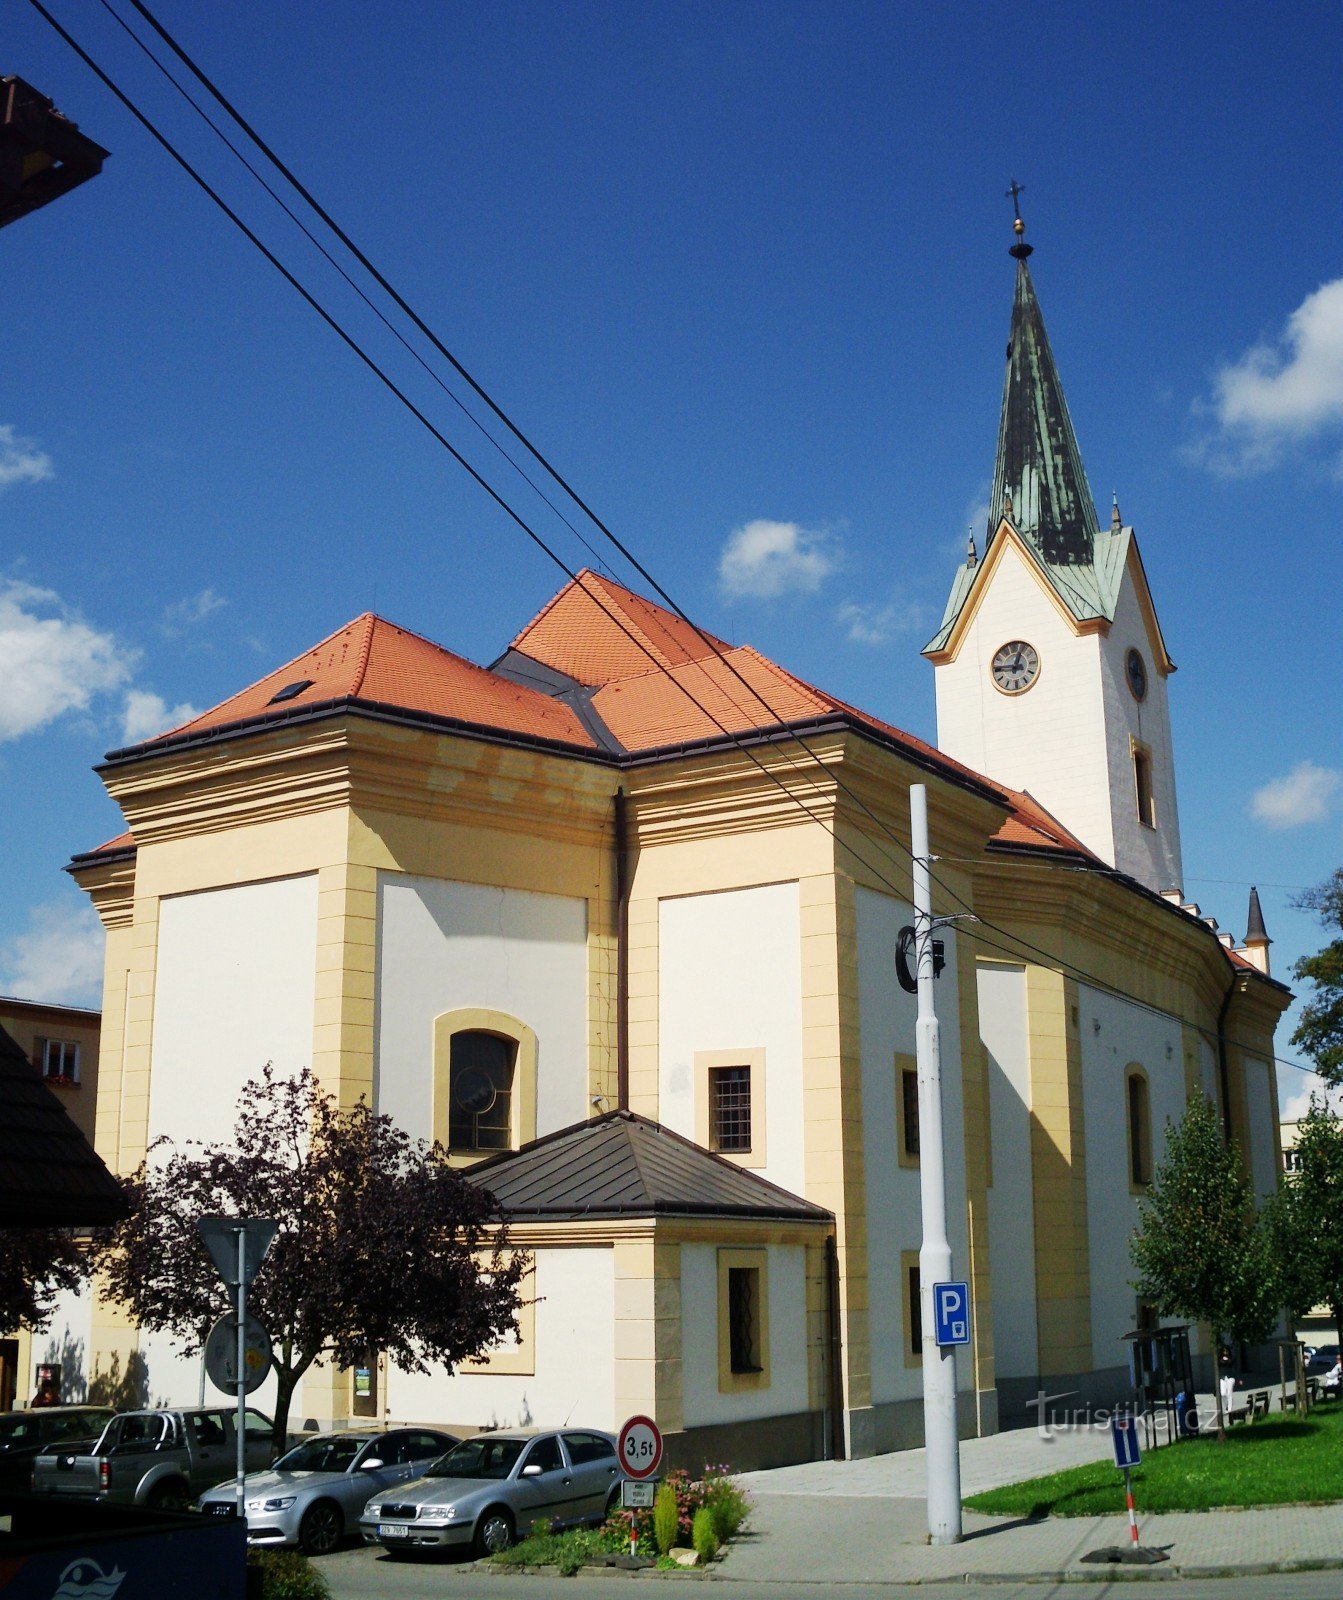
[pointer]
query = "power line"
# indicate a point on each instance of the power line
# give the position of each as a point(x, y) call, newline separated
point(1017, 943)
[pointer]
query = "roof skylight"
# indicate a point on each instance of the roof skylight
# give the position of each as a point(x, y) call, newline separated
point(290, 691)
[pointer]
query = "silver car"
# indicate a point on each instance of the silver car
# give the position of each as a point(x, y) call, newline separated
point(313, 1495)
point(489, 1490)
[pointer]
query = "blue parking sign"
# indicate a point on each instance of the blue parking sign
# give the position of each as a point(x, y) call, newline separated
point(951, 1313)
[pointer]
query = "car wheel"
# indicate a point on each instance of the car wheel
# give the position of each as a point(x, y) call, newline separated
point(321, 1529)
point(170, 1495)
point(494, 1531)
point(612, 1502)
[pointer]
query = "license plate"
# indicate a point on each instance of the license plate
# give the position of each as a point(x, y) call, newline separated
point(392, 1530)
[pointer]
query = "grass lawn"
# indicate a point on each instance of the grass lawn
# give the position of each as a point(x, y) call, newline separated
point(1261, 1464)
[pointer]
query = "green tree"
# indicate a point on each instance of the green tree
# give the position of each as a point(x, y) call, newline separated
point(1202, 1249)
point(1305, 1215)
point(1319, 1032)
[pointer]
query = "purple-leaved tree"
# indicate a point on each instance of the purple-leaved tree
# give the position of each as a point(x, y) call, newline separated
point(37, 1264)
point(382, 1245)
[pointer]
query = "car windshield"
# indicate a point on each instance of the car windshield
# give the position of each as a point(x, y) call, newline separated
point(330, 1452)
point(478, 1458)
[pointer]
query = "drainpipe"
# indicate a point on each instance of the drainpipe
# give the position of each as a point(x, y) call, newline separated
point(622, 954)
point(834, 1387)
point(1223, 1066)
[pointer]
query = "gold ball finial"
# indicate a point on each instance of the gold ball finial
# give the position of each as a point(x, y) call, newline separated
point(1018, 227)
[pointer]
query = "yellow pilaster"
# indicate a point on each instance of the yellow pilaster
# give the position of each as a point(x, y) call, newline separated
point(343, 1007)
point(648, 1332)
point(833, 1105)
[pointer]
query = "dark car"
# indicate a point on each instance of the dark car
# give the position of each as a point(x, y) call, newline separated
point(24, 1433)
point(1324, 1360)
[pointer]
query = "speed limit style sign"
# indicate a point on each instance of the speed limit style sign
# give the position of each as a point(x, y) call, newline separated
point(640, 1448)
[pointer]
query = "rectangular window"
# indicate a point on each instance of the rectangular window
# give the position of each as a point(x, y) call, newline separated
point(57, 1058)
point(743, 1320)
point(743, 1311)
point(730, 1090)
point(1291, 1161)
point(1139, 1132)
point(909, 1114)
point(911, 1294)
point(1142, 785)
point(730, 1109)
point(480, 1115)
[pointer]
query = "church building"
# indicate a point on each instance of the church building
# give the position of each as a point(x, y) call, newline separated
point(615, 920)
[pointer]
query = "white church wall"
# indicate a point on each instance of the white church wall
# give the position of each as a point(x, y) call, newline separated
point(574, 1356)
point(786, 1273)
point(1260, 1108)
point(67, 1340)
point(444, 945)
point(730, 978)
point(1003, 1029)
point(887, 1028)
point(1114, 1035)
point(175, 1380)
point(1152, 855)
point(234, 985)
point(1051, 739)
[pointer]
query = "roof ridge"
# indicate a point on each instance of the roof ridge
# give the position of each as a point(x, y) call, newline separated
point(370, 622)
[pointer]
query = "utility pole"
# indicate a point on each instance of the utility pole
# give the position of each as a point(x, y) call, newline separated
point(941, 1439)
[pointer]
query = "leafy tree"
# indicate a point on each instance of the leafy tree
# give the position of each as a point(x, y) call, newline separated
point(1306, 1213)
point(1319, 1031)
point(37, 1264)
point(1202, 1250)
point(382, 1245)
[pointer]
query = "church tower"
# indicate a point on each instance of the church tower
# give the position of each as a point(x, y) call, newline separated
point(1051, 667)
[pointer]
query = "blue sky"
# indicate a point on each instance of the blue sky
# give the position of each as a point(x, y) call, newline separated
point(728, 264)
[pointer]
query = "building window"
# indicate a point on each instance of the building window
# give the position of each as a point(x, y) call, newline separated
point(484, 1076)
point(57, 1059)
point(1291, 1161)
point(480, 1115)
point(730, 1109)
point(907, 1111)
point(912, 1296)
point(743, 1320)
point(1139, 1129)
point(730, 1104)
point(1142, 785)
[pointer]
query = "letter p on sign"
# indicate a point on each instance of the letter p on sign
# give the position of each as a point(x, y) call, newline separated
point(951, 1313)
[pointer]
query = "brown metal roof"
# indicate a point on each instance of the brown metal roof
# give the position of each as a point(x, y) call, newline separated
point(622, 1164)
point(49, 1174)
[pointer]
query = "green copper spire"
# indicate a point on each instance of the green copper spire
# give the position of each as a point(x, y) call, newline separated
point(1038, 472)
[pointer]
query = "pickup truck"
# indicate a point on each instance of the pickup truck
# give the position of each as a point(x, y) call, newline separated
point(159, 1459)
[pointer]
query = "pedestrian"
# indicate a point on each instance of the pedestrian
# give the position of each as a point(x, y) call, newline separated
point(48, 1394)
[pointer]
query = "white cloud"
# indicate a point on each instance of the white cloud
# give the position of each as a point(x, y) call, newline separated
point(58, 957)
point(1280, 390)
point(20, 459)
point(51, 661)
point(1297, 1103)
point(189, 611)
point(1305, 794)
point(874, 623)
point(147, 714)
point(763, 560)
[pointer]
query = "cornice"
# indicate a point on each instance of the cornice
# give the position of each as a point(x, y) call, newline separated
point(110, 885)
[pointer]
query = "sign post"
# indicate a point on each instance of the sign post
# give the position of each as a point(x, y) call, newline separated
point(237, 1246)
point(1128, 1454)
point(640, 1449)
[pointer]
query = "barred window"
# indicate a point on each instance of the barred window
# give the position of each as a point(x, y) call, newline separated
point(914, 1290)
point(480, 1114)
point(909, 1106)
point(730, 1109)
point(743, 1308)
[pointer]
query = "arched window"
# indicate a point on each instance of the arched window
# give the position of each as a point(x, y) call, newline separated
point(484, 1082)
point(1139, 1128)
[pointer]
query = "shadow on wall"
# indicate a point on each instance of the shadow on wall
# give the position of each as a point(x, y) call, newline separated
point(126, 1389)
point(67, 1352)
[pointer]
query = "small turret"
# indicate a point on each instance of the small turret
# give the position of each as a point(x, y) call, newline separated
point(1257, 941)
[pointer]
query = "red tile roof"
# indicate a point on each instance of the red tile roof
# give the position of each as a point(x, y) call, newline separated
point(595, 631)
point(370, 661)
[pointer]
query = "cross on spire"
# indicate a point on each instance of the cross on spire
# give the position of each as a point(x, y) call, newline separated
point(1020, 249)
point(1012, 193)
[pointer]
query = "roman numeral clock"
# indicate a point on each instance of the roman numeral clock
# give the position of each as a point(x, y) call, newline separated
point(1015, 666)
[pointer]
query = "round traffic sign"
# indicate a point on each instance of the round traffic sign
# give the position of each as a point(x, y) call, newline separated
point(640, 1447)
point(221, 1354)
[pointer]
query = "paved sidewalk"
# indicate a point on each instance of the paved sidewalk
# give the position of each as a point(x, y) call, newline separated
point(836, 1522)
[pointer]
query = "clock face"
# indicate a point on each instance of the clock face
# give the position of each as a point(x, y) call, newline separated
point(1016, 666)
point(1135, 669)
